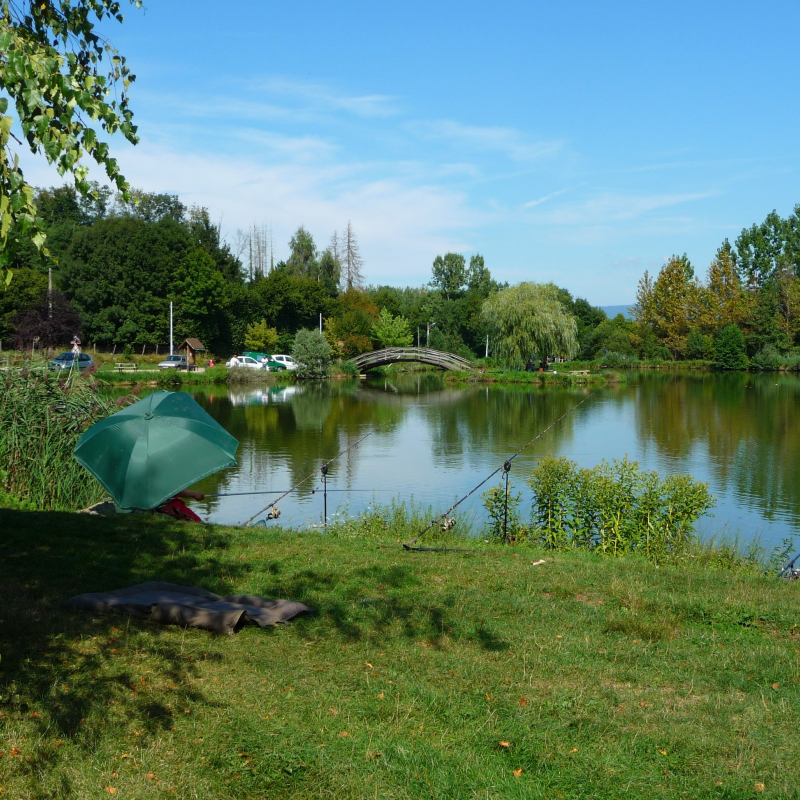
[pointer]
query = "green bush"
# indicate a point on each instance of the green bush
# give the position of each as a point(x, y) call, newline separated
point(768, 358)
point(348, 368)
point(312, 353)
point(616, 508)
point(731, 348)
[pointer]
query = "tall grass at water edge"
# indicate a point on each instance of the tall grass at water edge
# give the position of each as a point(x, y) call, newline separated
point(42, 416)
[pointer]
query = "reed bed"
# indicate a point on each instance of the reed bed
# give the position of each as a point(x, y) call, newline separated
point(42, 416)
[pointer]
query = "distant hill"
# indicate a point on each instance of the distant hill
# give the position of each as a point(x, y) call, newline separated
point(612, 311)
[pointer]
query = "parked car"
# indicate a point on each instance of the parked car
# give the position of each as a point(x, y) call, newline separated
point(66, 361)
point(244, 361)
point(267, 360)
point(174, 362)
point(287, 361)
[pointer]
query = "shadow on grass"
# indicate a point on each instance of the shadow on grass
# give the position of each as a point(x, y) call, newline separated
point(76, 674)
point(377, 603)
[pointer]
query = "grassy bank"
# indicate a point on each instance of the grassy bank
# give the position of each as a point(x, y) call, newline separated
point(423, 675)
point(557, 378)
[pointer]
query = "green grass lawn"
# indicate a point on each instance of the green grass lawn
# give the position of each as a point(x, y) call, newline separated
point(422, 675)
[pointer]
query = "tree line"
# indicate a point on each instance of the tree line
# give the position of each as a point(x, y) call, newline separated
point(120, 262)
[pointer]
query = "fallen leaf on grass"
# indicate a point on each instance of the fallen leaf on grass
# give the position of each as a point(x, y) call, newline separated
point(523, 701)
point(124, 755)
point(662, 752)
point(334, 711)
point(343, 734)
point(574, 750)
point(111, 790)
point(14, 752)
point(488, 697)
point(380, 696)
point(775, 686)
point(137, 733)
point(369, 665)
point(718, 783)
point(151, 775)
point(759, 787)
point(537, 563)
point(505, 744)
point(517, 773)
point(35, 714)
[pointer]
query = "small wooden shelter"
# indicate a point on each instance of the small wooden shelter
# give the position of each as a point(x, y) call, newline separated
point(192, 347)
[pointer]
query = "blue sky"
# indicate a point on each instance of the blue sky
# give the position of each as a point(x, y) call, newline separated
point(576, 142)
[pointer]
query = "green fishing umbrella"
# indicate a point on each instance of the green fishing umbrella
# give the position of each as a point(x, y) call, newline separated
point(149, 451)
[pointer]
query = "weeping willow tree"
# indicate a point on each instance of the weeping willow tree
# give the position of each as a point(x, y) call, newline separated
point(528, 321)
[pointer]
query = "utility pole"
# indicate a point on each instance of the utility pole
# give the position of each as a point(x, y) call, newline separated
point(428, 335)
point(170, 327)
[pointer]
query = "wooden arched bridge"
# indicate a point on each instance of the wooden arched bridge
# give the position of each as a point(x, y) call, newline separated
point(393, 355)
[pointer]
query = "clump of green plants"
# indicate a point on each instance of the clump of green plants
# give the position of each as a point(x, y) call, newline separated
point(616, 508)
point(502, 505)
point(41, 419)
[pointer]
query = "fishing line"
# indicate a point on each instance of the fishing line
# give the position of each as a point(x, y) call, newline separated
point(324, 466)
point(285, 491)
point(505, 466)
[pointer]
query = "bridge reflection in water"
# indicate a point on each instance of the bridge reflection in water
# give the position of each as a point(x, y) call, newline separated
point(393, 355)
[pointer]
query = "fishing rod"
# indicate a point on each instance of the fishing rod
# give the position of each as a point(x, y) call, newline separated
point(285, 491)
point(505, 468)
point(324, 470)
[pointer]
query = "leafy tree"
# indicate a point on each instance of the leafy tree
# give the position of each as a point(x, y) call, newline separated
point(288, 302)
point(479, 279)
point(302, 261)
point(724, 299)
point(611, 336)
point(763, 249)
point(392, 331)
point(29, 287)
point(699, 345)
point(730, 348)
point(198, 294)
point(260, 337)
point(329, 272)
point(449, 273)
point(312, 354)
point(52, 321)
point(349, 330)
point(675, 304)
point(528, 320)
point(50, 66)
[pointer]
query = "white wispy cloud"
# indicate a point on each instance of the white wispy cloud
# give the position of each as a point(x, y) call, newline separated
point(370, 105)
point(507, 141)
point(608, 208)
point(532, 203)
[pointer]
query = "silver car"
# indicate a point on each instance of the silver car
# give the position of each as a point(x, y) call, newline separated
point(174, 362)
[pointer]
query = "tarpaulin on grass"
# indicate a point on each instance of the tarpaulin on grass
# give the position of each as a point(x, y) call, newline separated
point(171, 604)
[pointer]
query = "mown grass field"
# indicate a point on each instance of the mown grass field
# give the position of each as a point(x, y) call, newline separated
point(448, 675)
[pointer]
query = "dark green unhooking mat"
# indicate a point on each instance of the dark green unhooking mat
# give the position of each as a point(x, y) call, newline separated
point(169, 603)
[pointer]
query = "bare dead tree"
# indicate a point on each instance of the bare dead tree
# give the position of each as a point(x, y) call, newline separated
point(351, 260)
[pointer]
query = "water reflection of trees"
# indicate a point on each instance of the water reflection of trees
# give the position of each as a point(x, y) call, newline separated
point(313, 424)
point(501, 420)
point(748, 424)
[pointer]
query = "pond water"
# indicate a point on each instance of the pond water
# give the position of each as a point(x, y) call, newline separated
point(432, 443)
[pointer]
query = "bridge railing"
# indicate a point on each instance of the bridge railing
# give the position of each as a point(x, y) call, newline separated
point(390, 355)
